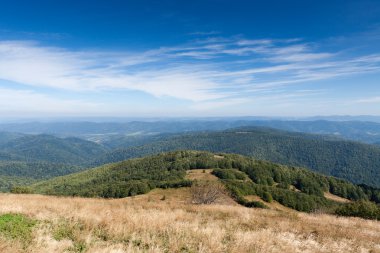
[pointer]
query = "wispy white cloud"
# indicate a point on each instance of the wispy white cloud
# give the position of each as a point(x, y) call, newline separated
point(211, 72)
point(370, 100)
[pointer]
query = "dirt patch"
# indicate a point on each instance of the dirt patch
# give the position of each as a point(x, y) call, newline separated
point(293, 188)
point(335, 198)
point(200, 174)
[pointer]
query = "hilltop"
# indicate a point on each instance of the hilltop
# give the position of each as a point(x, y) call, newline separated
point(353, 161)
point(296, 188)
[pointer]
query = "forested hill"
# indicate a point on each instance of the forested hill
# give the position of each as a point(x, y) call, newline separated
point(28, 158)
point(356, 162)
point(8, 136)
point(296, 188)
point(47, 148)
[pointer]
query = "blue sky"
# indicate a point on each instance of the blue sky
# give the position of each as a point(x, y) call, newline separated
point(189, 58)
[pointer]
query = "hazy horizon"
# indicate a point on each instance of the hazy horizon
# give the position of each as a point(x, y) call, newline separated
point(26, 120)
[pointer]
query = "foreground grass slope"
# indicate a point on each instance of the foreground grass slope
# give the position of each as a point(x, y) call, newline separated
point(146, 223)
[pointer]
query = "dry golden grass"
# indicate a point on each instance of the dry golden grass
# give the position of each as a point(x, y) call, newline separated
point(274, 205)
point(204, 175)
point(149, 224)
point(335, 198)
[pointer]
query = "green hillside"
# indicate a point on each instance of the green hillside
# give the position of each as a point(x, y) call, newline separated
point(52, 149)
point(15, 173)
point(356, 162)
point(7, 136)
point(36, 170)
point(26, 159)
point(241, 175)
point(7, 183)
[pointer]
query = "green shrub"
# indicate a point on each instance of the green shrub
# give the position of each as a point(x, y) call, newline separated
point(17, 227)
point(362, 209)
point(21, 190)
point(230, 174)
point(267, 197)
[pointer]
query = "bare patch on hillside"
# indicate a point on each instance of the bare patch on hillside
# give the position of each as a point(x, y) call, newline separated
point(274, 205)
point(167, 196)
point(336, 198)
point(293, 188)
point(200, 174)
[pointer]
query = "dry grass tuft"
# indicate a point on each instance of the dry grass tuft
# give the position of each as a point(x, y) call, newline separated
point(201, 175)
point(149, 224)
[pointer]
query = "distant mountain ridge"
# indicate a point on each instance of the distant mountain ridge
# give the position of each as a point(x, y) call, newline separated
point(364, 131)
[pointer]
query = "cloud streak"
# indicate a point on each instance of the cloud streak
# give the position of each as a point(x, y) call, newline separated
point(210, 72)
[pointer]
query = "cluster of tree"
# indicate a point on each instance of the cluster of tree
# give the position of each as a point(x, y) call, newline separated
point(363, 209)
point(356, 162)
point(124, 179)
point(372, 192)
point(8, 182)
point(297, 188)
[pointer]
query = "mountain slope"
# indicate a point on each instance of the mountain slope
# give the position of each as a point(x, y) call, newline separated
point(52, 149)
point(356, 162)
point(16, 173)
point(7, 136)
point(36, 170)
point(28, 158)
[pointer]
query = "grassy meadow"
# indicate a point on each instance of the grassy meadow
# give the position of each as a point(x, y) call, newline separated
point(166, 221)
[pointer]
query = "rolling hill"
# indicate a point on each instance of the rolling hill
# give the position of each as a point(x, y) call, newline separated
point(49, 148)
point(356, 162)
point(296, 188)
point(29, 158)
point(9, 136)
